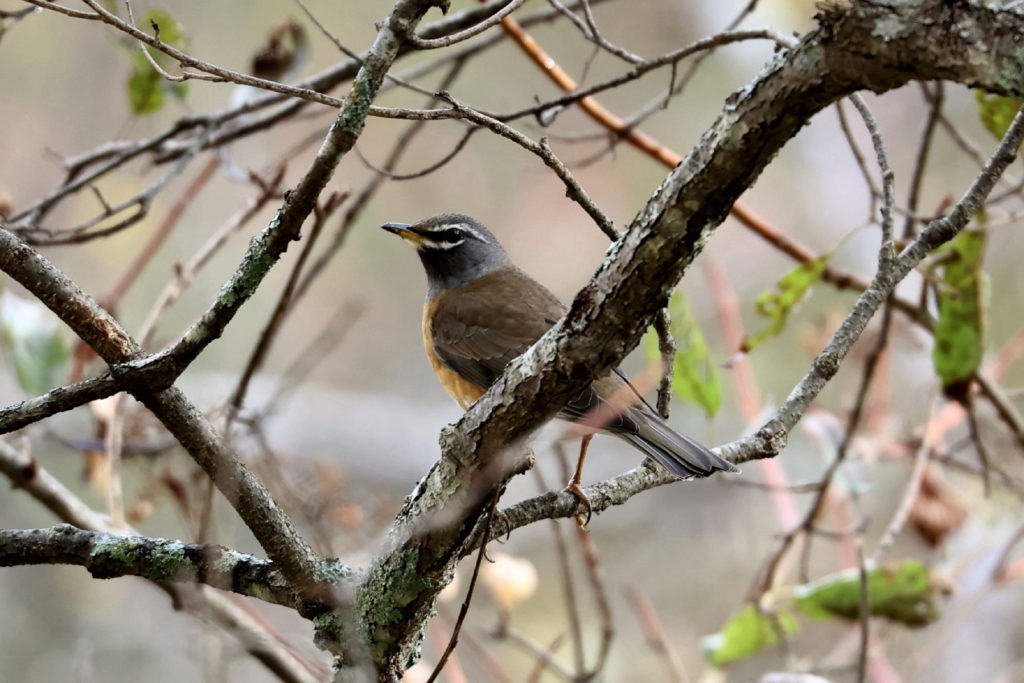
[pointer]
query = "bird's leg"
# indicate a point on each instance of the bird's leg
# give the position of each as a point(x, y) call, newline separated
point(574, 487)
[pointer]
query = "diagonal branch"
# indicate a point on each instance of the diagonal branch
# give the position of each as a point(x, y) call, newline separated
point(103, 333)
point(606, 319)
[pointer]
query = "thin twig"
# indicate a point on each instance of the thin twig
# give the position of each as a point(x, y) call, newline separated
point(910, 494)
point(979, 444)
point(595, 574)
point(28, 475)
point(186, 272)
point(921, 160)
point(654, 634)
point(541, 654)
point(565, 569)
point(667, 349)
point(445, 41)
point(542, 662)
point(464, 610)
point(864, 617)
point(355, 209)
point(283, 306)
point(145, 254)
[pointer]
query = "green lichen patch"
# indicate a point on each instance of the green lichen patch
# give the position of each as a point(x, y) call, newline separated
point(1011, 75)
point(331, 571)
point(157, 559)
point(390, 588)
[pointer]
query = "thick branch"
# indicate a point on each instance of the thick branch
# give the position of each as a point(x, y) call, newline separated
point(112, 343)
point(868, 46)
point(108, 556)
point(206, 603)
point(267, 521)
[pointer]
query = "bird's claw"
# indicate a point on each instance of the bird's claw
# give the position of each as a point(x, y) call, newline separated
point(502, 520)
point(575, 489)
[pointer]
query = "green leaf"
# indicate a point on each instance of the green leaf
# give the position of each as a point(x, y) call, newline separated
point(790, 291)
point(694, 374)
point(996, 112)
point(179, 90)
point(905, 594)
point(147, 89)
point(747, 632)
point(164, 26)
point(963, 305)
point(33, 338)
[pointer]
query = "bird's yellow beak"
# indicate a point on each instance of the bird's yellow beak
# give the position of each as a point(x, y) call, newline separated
point(403, 230)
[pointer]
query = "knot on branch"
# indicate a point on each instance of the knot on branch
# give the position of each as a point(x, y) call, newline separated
point(151, 374)
point(770, 441)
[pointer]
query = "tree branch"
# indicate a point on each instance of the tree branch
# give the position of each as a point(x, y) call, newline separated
point(867, 46)
point(262, 515)
point(109, 556)
point(203, 602)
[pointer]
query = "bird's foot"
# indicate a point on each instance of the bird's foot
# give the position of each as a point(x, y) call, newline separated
point(502, 521)
point(575, 489)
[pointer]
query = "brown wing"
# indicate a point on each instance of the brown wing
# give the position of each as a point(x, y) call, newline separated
point(477, 329)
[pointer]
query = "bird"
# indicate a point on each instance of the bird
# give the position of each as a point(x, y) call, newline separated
point(482, 311)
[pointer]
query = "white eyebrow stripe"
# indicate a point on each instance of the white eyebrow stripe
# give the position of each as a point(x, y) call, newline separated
point(443, 245)
point(468, 228)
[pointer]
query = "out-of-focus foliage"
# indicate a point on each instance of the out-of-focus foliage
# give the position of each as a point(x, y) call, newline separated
point(790, 291)
point(963, 295)
point(747, 632)
point(32, 336)
point(147, 89)
point(906, 594)
point(694, 375)
point(996, 111)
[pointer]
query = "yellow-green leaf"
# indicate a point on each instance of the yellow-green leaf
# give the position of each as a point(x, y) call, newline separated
point(147, 89)
point(694, 374)
point(996, 111)
point(32, 336)
point(905, 594)
point(747, 632)
point(963, 305)
point(790, 290)
point(164, 26)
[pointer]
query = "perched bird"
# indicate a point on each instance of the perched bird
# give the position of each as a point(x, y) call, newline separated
point(482, 311)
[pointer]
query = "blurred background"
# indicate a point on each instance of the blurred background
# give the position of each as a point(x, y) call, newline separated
point(347, 443)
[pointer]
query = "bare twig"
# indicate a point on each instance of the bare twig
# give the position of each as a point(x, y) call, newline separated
point(565, 570)
point(979, 444)
point(445, 41)
point(25, 473)
point(667, 349)
point(921, 160)
point(595, 575)
point(864, 618)
point(910, 494)
point(284, 304)
point(464, 610)
point(655, 635)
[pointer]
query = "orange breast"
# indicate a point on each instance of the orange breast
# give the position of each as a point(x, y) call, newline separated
point(459, 389)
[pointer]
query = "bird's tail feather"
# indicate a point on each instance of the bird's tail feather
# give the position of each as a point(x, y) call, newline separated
point(681, 456)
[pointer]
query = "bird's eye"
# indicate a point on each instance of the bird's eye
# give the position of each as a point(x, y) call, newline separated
point(449, 235)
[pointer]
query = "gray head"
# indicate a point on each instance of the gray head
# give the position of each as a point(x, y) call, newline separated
point(454, 249)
